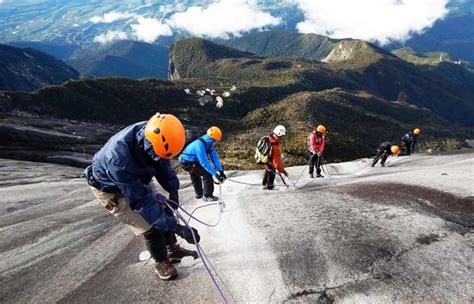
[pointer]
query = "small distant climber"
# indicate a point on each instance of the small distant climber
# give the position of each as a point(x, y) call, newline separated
point(268, 155)
point(201, 160)
point(316, 142)
point(120, 178)
point(384, 151)
point(409, 141)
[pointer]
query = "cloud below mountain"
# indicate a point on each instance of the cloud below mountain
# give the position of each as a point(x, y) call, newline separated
point(149, 29)
point(374, 20)
point(223, 18)
point(111, 36)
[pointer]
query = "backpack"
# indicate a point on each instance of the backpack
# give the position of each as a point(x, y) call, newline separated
point(263, 150)
point(405, 138)
point(193, 135)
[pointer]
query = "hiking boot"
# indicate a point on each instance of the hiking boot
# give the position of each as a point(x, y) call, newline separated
point(165, 270)
point(311, 175)
point(319, 175)
point(211, 198)
point(177, 253)
point(197, 196)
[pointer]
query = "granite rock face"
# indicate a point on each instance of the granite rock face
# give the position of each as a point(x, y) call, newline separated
point(59, 141)
point(397, 234)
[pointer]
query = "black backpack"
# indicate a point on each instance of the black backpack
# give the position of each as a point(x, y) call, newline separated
point(405, 138)
point(263, 150)
point(193, 135)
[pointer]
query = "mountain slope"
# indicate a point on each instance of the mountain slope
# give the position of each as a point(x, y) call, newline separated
point(131, 59)
point(28, 69)
point(61, 51)
point(283, 44)
point(349, 97)
point(454, 34)
point(296, 45)
point(352, 64)
point(357, 121)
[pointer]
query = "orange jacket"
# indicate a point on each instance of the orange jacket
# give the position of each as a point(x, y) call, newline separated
point(275, 156)
point(316, 143)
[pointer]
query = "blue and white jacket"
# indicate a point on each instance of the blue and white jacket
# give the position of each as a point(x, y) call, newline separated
point(202, 151)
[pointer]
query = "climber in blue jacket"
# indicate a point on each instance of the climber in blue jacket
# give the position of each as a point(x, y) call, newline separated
point(200, 159)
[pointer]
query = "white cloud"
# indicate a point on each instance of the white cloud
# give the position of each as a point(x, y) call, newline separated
point(111, 36)
point(222, 18)
point(375, 20)
point(149, 29)
point(110, 17)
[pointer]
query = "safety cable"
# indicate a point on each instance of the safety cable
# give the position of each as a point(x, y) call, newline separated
point(207, 264)
point(220, 203)
point(191, 215)
point(350, 172)
point(323, 163)
point(250, 184)
point(198, 247)
point(211, 266)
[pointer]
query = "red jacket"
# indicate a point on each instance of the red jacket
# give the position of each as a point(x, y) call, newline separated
point(275, 156)
point(316, 143)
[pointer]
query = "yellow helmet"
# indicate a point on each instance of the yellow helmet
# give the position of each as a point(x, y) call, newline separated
point(417, 131)
point(395, 149)
point(166, 134)
point(321, 129)
point(215, 133)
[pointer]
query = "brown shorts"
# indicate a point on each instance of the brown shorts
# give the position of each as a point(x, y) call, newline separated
point(117, 205)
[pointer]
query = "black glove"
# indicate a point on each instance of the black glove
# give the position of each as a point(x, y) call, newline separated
point(185, 233)
point(222, 174)
point(220, 178)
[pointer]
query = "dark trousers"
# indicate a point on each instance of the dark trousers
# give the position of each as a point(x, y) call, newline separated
point(157, 241)
point(407, 147)
point(269, 179)
point(314, 162)
point(382, 156)
point(198, 176)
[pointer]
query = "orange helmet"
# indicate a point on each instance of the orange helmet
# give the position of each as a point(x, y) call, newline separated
point(166, 134)
point(321, 129)
point(395, 149)
point(417, 131)
point(215, 133)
